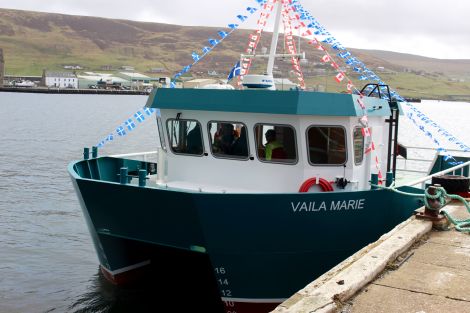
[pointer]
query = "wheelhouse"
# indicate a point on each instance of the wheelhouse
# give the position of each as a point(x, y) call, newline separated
point(266, 141)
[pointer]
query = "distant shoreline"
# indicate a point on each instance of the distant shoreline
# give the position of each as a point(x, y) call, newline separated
point(73, 91)
point(94, 91)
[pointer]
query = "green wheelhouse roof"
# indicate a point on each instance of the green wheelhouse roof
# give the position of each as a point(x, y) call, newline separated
point(266, 101)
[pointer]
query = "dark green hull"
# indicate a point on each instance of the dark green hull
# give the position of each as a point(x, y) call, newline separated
point(252, 247)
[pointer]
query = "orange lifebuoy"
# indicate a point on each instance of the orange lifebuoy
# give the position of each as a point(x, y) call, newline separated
point(323, 183)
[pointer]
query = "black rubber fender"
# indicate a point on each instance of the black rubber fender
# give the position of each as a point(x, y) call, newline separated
point(452, 183)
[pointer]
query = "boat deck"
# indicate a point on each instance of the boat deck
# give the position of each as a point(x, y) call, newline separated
point(413, 268)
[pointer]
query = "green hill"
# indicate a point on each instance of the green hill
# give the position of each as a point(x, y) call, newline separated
point(34, 41)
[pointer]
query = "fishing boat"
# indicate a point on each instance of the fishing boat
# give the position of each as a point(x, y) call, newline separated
point(256, 191)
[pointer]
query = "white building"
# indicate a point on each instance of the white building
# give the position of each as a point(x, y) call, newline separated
point(88, 79)
point(60, 80)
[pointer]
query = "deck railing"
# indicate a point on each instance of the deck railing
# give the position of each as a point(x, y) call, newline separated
point(456, 170)
point(423, 162)
point(142, 156)
point(424, 168)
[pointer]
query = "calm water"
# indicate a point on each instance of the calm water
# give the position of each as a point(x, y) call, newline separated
point(47, 261)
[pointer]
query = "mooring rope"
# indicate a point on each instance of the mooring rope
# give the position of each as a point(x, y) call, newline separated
point(441, 195)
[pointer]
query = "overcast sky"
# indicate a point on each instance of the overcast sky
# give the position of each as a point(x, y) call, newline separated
point(438, 29)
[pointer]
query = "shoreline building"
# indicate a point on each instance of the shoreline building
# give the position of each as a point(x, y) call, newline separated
point(2, 68)
point(60, 79)
point(92, 80)
point(137, 80)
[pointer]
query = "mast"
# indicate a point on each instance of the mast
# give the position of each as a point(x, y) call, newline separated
point(272, 52)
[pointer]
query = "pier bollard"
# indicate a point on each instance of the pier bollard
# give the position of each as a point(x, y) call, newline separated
point(123, 176)
point(432, 209)
point(434, 204)
point(374, 180)
point(142, 178)
point(94, 152)
point(389, 179)
point(86, 153)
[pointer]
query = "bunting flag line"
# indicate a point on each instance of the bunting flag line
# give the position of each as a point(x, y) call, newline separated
point(254, 38)
point(290, 42)
point(440, 130)
point(367, 74)
point(340, 76)
point(296, 17)
point(127, 126)
point(214, 42)
point(130, 124)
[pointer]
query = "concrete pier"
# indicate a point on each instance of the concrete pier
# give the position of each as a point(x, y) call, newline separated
point(413, 268)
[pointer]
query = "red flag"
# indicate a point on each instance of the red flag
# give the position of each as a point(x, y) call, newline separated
point(320, 47)
point(326, 58)
point(366, 132)
point(370, 149)
point(339, 77)
point(268, 6)
point(313, 42)
point(334, 65)
point(361, 103)
point(350, 86)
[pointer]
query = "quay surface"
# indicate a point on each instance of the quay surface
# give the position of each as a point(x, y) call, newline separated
point(413, 268)
point(73, 91)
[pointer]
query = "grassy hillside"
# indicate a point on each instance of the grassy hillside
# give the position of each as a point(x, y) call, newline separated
point(35, 41)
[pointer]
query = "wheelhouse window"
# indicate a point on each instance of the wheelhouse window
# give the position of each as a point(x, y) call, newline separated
point(326, 145)
point(228, 140)
point(276, 143)
point(358, 142)
point(185, 137)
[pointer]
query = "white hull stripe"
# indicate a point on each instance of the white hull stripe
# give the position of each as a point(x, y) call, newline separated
point(127, 268)
point(249, 300)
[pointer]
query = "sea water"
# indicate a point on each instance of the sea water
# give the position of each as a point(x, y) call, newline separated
point(47, 259)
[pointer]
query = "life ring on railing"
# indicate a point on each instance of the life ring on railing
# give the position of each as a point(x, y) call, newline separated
point(323, 183)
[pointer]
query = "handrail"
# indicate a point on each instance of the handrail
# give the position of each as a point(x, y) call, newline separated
point(422, 180)
point(432, 149)
point(134, 154)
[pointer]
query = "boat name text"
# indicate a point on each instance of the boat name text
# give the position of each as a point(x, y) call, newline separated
point(325, 206)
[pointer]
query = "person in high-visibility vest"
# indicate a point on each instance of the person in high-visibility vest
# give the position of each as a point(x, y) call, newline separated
point(273, 145)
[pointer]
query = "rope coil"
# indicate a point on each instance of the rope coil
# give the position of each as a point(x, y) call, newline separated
point(461, 225)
